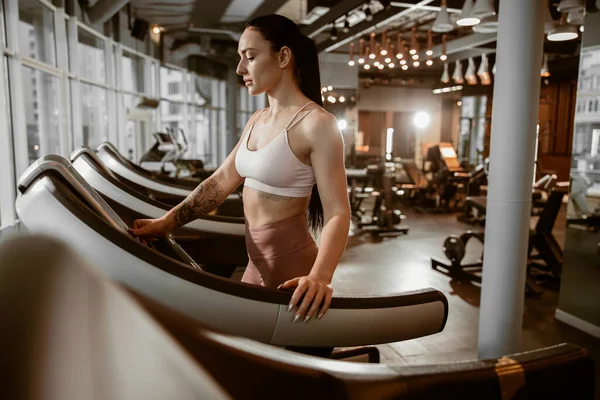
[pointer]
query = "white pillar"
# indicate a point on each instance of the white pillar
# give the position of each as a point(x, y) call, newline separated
point(514, 118)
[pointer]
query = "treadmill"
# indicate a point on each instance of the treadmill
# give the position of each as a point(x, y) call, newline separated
point(54, 199)
point(167, 190)
point(69, 333)
point(218, 240)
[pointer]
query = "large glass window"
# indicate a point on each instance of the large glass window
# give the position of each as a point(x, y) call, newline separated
point(91, 59)
point(2, 28)
point(42, 113)
point(133, 75)
point(170, 78)
point(94, 115)
point(36, 32)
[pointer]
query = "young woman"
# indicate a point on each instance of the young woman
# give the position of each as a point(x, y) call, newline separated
point(291, 160)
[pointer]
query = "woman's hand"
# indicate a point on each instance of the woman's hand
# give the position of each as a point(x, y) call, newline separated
point(315, 291)
point(152, 227)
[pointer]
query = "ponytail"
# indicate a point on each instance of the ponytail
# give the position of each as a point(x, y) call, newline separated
point(281, 31)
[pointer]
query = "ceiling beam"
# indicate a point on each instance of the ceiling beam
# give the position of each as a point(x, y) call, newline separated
point(380, 20)
point(404, 4)
point(208, 14)
point(463, 43)
point(267, 7)
point(338, 10)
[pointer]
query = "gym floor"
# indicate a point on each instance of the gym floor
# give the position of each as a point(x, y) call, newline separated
point(381, 265)
point(374, 265)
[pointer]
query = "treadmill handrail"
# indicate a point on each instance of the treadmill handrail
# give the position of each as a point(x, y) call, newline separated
point(99, 166)
point(52, 162)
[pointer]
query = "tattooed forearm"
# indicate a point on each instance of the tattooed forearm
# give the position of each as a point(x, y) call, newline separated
point(205, 198)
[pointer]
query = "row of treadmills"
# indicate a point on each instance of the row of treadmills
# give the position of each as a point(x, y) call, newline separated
point(88, 311)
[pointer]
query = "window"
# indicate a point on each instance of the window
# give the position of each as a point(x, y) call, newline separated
point(133, 73)
point(36, 31)
point(174, 88)
point(91, 58)
point(94, 115)
point(595, 108)
point(174, 108)
point(167, 77)
point(42, 113)
point(2, 29)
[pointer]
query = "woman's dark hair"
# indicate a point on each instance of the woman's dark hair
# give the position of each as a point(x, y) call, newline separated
point(281, 31)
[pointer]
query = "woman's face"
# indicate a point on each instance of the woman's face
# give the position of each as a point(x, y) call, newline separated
point(258, 65)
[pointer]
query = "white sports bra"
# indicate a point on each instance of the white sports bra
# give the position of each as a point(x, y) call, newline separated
point(275, 168)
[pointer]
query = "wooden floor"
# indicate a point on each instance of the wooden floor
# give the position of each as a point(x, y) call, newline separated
point(378, 266)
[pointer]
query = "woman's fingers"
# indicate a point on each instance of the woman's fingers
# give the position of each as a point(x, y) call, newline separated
point(326, 302)
point(298, 293)
point(316, 303)
point(308, 298)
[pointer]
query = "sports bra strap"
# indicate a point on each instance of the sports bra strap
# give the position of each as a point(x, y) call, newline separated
point(290, 124)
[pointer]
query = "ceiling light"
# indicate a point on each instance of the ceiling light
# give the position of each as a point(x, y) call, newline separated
point(562, 33)
point(470, 74)
point(342, 124)
point(412, 51)
point(445, 76)
point(391, 65)
point(576, 17)
point(376, 63)
point(331, 99)
point(351, 63)
point(415, 57)
point(442, 21)
point(388, 60)
point(466, 18)
point(372, 56)
point(324, 89)
point(443, 57)
point(367, 66)
point(330, 88)
point(402, 62)
point(459, 103)
point(346, 27)
point(483, 8)
point(487, 25)
point(570, 5)
point(405, 67)
point(334, 35)
point(429, 52)
point(380, 66)
point(429, 63)
point(457, 76)
point(484, 71)
point(416, 64)
point(421, 119)
point(156, 29)
point(342, 99)
point(361, 60)
point(545, 72)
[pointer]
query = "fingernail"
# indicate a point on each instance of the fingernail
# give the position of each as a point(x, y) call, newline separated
point(279, 287)
point(320, 316)
point(308, 317)
point(290, 307)
point(297, 317)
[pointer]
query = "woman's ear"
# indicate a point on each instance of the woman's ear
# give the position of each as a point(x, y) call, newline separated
point(285, 57)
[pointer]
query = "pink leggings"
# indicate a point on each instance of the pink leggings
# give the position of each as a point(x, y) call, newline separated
point(279, 251)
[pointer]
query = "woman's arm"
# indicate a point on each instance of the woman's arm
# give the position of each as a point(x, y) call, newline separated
point(327, 159)
point(206, 197)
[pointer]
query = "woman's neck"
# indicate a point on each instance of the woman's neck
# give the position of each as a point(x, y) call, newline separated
point(284, 96)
